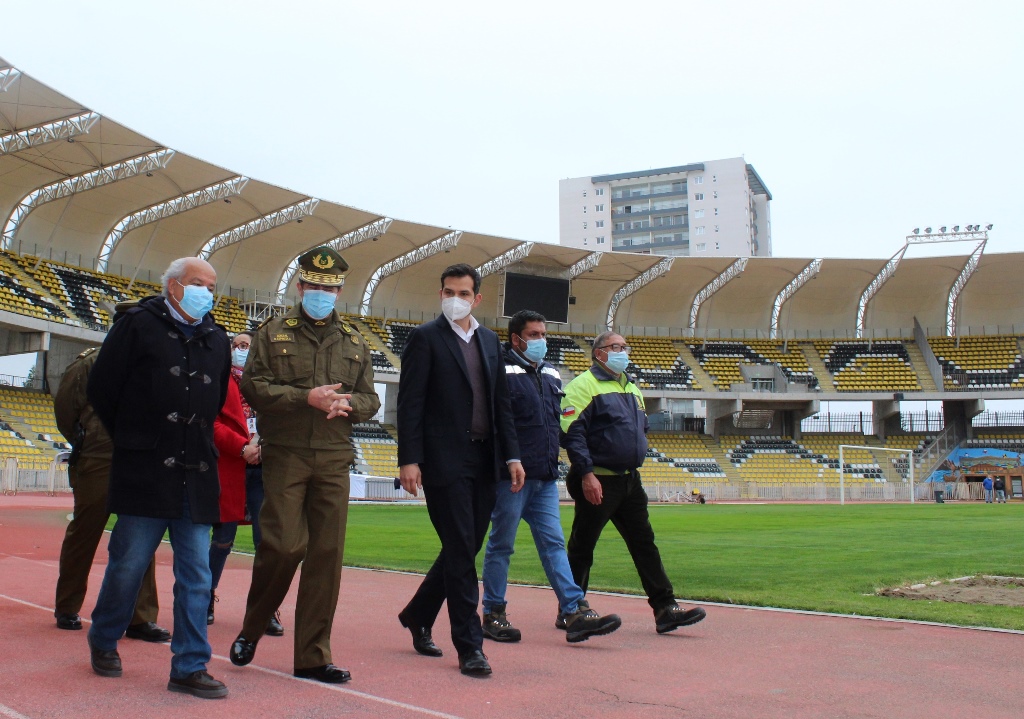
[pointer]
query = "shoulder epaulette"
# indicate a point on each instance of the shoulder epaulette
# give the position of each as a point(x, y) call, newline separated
point(87, 352)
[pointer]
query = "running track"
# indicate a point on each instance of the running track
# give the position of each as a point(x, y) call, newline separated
point(739, 662)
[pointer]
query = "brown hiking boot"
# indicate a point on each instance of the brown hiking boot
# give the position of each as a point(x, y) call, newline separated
point(585, 623)
point(497, 626)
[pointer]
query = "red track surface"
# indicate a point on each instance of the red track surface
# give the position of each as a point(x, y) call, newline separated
point(737, 663)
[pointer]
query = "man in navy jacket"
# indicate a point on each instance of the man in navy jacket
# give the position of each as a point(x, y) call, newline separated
point(535, 390)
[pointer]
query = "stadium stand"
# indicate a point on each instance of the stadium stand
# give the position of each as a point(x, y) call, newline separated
point(687, 454)
point(1010, 441)
point(29, 431)
point(860, 366)
point(656, 363)
point(988, 362)
point(376, 449)
point(722, 360)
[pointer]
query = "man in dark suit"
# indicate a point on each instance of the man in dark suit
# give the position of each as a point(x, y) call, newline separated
point(456, 435)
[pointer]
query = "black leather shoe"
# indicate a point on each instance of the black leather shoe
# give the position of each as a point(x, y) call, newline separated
point(274, 626)
point(209, 612)
point(422, 641)
point(474, 664)
point(328, 673)
point(242, 651)
point(105, 663)
point(68, 621)
point(199, 684)
point(148, 632)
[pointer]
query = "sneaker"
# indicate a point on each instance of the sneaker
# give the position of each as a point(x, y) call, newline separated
point(585, 623)
point(198, 684)
point(560, 620)
point(274, 626)
point(673, 616)
point(209, 612)
point(497, 627)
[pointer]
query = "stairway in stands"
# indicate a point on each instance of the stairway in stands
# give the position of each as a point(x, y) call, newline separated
point(374, 340)
point(817, 366)
point(32, 283)
point(724, 462)
point(920, 367)
point(702, 377)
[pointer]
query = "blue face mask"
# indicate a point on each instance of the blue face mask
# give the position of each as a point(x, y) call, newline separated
point(617, 362)
point(238, 357)
point(196, 301)
point(535, 350)
point(318, 303)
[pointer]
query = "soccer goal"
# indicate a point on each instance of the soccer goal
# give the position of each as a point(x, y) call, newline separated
point(875, 473)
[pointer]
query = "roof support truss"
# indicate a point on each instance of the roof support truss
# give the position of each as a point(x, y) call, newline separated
point(585, 265)
point(644, 279)
point(370, 231)
point(952, 304)
point(7, 77)
point(788, 291)
point(169, 208)
point(516, 254)
point(441, 244)
point(66, 129)
point(116, 172)
point(261, 224)
point(731, 272)
point(876, 284)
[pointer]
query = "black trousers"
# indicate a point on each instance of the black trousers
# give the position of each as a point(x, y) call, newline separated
point(624, 504)
point(460, 512)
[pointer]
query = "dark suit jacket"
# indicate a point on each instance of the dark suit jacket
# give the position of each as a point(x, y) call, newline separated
point(435, 401)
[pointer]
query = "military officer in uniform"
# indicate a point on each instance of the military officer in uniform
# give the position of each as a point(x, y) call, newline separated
point(309, 379)
point(89, 474)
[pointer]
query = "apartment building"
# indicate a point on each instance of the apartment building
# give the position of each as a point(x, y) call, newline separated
point(719, 207)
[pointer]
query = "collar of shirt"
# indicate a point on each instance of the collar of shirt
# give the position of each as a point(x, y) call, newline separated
point(463, 334)
point(178, 316)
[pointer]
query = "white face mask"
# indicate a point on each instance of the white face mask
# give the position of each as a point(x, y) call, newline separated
point(455, 308)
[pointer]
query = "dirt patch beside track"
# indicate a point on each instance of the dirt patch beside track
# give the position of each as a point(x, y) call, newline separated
point(1003, 591)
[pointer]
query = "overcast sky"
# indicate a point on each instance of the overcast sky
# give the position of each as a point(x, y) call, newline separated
point(863, 119)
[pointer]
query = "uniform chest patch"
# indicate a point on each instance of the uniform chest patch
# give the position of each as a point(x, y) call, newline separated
point(568, 411)
point(282, 337)
point(292, 322)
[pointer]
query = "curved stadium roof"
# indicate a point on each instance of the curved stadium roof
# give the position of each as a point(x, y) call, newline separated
point(76, 184)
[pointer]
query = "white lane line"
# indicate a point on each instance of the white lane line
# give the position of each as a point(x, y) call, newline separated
point(274, 672)
point(8, 712)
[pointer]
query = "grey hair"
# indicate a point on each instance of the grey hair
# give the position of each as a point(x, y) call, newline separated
point(600, 340)
point(175, 271)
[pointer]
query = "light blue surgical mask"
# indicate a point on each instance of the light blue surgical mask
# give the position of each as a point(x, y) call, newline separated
point(318, 303)
point(238, 357)
point(535, 350)
point(196, 301)
point(617, 362)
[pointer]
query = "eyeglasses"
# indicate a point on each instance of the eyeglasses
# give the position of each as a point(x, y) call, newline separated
point(240, 346)
point(616, 348)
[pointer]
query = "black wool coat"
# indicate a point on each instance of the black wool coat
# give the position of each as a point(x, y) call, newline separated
point(157, 392)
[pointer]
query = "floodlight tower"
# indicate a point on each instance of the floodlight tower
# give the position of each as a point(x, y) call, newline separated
point(970, 233)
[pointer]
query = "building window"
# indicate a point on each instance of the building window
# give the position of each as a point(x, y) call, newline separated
point(697, 214)
point(584, 193)
point(716, 212)
point(584, 209)
point(698, 180)
point(716, 228)
point(699, 230)
point(701, 246)
point(600, 240)
point(599, 191)
point(718, 246)
point(698, 196)
point(598, 208)
point(584, 225)
point(599, 223)
point(715, 194)
point(714, 178)
point(584, 240)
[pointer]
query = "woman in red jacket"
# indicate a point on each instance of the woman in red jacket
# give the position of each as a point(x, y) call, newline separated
point(237, 449)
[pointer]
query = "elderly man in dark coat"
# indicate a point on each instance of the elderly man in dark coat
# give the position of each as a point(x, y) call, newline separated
point(158, 383)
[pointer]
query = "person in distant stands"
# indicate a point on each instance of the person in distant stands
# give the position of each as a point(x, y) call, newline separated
point(604, 432)
point(158, 383)
point(310, 379)
point(1000, 487)
point(239, 450)
point(89, 474)
point(535, 389)
point(986, 484)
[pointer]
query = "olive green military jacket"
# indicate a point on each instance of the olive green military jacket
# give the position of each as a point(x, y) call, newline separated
point(71, 409)
point(287, 360)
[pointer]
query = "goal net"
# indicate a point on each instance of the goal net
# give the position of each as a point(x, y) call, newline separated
point(875, 474)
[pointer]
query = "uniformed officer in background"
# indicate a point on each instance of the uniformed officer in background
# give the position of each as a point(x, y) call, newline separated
point(89, 474)
point(309, 378)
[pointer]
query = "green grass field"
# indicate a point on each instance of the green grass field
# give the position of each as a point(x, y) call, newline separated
point(819, 557)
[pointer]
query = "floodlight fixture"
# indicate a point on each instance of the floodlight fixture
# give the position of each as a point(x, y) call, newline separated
point(988, 227)
point(956, 228)
point(942, 229)
point(927, 230)
point(917, 230)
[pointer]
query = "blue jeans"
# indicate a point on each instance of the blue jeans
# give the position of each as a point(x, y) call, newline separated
point(988, 496)
point(220, 547)
point(537, 503)
point(132, 544)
